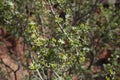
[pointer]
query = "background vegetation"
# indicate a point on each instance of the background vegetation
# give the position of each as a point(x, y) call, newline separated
point(67, 39)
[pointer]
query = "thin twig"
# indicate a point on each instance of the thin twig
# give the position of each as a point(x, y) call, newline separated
point(39, 74)
point(56, 74)
point(60, 26)
point(41, 21)
point(86, 14)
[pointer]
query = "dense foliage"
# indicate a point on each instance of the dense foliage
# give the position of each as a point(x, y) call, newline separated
point(68, 37)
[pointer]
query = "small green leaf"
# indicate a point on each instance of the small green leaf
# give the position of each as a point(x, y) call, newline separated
point(32, 67)
point(53, 40)
point(33, 35)
point(61, 41)
point(39, 43)
point(63, 56)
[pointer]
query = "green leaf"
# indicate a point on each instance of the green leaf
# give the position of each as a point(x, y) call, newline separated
point(63, 56)
point(61, 41)
point(32, 67)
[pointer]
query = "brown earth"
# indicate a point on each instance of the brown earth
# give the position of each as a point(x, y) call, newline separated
point(12, 57)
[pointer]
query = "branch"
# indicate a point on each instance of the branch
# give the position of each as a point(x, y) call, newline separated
point(39, 74)
point(84, 15)
point(60, 26)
